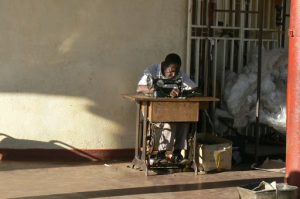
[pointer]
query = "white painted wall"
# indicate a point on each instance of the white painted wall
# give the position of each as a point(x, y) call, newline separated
point(65, 63)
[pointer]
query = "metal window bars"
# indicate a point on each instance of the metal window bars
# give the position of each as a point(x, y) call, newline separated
point(221, 33)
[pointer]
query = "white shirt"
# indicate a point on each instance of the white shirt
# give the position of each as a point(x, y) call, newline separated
point(155, 71)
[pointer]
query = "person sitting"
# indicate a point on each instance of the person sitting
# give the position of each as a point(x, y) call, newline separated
point(171, 136)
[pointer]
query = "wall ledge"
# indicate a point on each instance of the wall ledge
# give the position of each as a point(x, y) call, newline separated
point(67, 155)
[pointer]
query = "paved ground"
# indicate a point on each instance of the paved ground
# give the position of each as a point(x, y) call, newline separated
point(39, 180)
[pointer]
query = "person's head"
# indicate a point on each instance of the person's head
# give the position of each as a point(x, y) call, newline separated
point(171, 65)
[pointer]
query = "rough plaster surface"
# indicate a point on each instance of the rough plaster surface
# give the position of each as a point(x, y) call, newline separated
point(64, 65)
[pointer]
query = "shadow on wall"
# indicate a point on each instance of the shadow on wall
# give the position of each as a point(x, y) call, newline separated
point(75, 49)
point(79, 78)
point(86, 81)
point(52, 150)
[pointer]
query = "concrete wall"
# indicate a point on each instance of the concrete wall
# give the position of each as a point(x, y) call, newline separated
point(65, 63)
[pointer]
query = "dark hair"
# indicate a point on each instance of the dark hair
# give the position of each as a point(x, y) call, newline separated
point(171, 58)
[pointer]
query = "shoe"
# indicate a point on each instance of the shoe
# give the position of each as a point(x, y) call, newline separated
point(160, 158)
point(177, 158)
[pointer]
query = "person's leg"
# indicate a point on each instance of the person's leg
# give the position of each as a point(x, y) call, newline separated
point(164, 139)
point(181, 133)
point(181, 130)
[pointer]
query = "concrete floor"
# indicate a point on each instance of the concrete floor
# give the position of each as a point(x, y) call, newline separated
point(39, 180)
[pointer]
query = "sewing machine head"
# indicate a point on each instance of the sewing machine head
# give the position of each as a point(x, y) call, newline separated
point(163, 87)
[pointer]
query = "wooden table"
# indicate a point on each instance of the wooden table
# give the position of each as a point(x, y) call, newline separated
point(154, 109)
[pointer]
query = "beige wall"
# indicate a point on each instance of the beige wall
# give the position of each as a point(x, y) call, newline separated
point(65, 63)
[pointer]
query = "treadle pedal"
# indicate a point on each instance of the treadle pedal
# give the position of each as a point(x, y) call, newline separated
point(168, 165)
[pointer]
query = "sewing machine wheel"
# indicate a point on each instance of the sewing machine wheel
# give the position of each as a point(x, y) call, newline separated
point(150, 139)
point(149, 81)
point(150, 144)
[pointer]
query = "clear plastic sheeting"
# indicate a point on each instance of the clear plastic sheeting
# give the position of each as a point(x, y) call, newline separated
point(240, 92)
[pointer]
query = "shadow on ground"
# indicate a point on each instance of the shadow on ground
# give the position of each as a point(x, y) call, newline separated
point(154, 189)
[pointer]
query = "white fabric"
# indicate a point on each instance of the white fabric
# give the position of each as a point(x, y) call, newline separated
point(240, 91)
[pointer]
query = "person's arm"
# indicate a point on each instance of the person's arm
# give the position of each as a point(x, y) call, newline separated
point(188, 84)
point(144, 89)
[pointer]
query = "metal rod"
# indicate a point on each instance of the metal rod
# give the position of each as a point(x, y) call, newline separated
point(216, 15)
point(214, 70)
point(234, 11)
point(256, 16)
point(206, 67)
point(197, 45)
point(224, 66)
point(232, 38)
point(242, 37)
point(226, 14)
point(189, 34)
point(259, 62)
point(231, 55)
point(250, 18)
point(268, 9)
point(283, 24)
point(234, 14)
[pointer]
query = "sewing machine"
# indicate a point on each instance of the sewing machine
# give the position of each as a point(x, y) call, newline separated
point(163, 87)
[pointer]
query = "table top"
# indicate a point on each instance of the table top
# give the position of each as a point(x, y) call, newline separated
point(142, 97)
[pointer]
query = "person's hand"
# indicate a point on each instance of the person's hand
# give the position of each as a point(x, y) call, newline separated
point(150, 90)
point(145, 89)
point(175, 92)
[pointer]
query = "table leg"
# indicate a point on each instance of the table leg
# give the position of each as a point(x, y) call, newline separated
point(138, 128)
point(137, 162)
point(144, 138)
point(137, 135)
point(194, 151)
